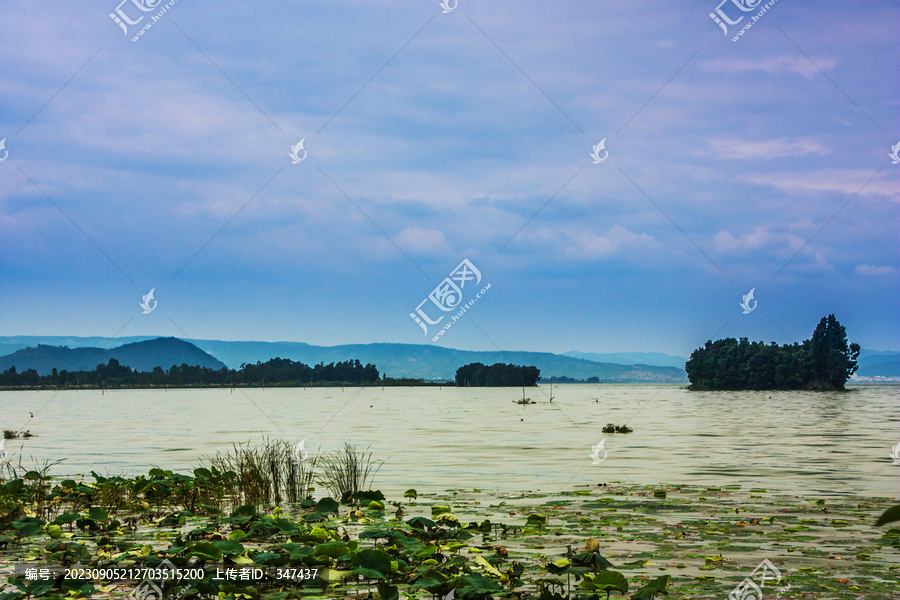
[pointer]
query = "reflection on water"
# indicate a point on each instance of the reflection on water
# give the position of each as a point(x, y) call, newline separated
point(436, 439)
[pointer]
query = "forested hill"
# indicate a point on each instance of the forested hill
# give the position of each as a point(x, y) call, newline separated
point(140, 356)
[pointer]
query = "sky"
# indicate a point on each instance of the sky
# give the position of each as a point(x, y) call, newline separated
point(434, 134)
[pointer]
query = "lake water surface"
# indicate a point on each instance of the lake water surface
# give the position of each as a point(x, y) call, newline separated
point(436, 439)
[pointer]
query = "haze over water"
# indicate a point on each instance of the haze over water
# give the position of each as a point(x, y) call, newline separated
point(436, 439)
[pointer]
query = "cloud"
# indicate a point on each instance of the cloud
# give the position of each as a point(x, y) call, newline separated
point(848, 181)
point(775, 148)
point(874, 270)
point(421, 241)
point(765, 246)
point(759, 239)
point(774, 64)
point(586, 245)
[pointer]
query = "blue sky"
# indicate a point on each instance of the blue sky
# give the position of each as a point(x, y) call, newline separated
point(433, 138)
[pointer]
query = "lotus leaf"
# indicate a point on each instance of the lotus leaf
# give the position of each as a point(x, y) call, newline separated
point(229, 547)
point(373, 564)
point(28, 526)
point(607, 581)
point(421, 523)
point(536, 520)
point(327, 505)
point(97, 513)
point(205, 551)
point(476, 585)
point(388, 592)
point(889, 516)
point(332, 549)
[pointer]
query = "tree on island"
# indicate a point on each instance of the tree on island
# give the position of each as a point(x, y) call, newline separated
point(824, 362)
point(834, 359)
point(496, 375)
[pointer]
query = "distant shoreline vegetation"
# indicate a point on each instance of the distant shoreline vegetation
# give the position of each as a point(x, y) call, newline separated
point(565, 379)
point(824, 362)
point(496, 375)
point(277, 372)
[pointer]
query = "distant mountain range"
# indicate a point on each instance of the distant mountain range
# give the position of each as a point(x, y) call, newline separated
point(435, 362)
point(141, 356)
point(874, 363)
point(657, 359)
point(431, 363)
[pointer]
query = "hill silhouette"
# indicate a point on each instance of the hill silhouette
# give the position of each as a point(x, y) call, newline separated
point(140, 356)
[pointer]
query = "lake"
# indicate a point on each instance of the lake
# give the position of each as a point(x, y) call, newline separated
point(436, 439)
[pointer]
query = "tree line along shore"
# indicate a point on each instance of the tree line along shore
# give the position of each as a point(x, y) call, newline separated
point(277, 372)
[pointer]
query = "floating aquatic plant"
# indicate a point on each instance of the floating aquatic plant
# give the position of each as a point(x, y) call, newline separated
point(613, 428)
point(120, 522)
point(607, 581)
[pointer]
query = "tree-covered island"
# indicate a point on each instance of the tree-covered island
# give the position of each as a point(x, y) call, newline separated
point(496, 375)
point(824, 362)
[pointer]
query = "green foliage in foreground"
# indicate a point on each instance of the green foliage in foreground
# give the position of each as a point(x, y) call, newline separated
point(155, 521)
point(824, 362)
point(496, 375)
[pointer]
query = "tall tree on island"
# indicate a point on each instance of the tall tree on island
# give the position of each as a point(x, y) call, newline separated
point(834, 358)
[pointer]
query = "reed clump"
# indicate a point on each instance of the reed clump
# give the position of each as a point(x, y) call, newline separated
point(270, 473)
point(26, 487)
point(347, 471)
